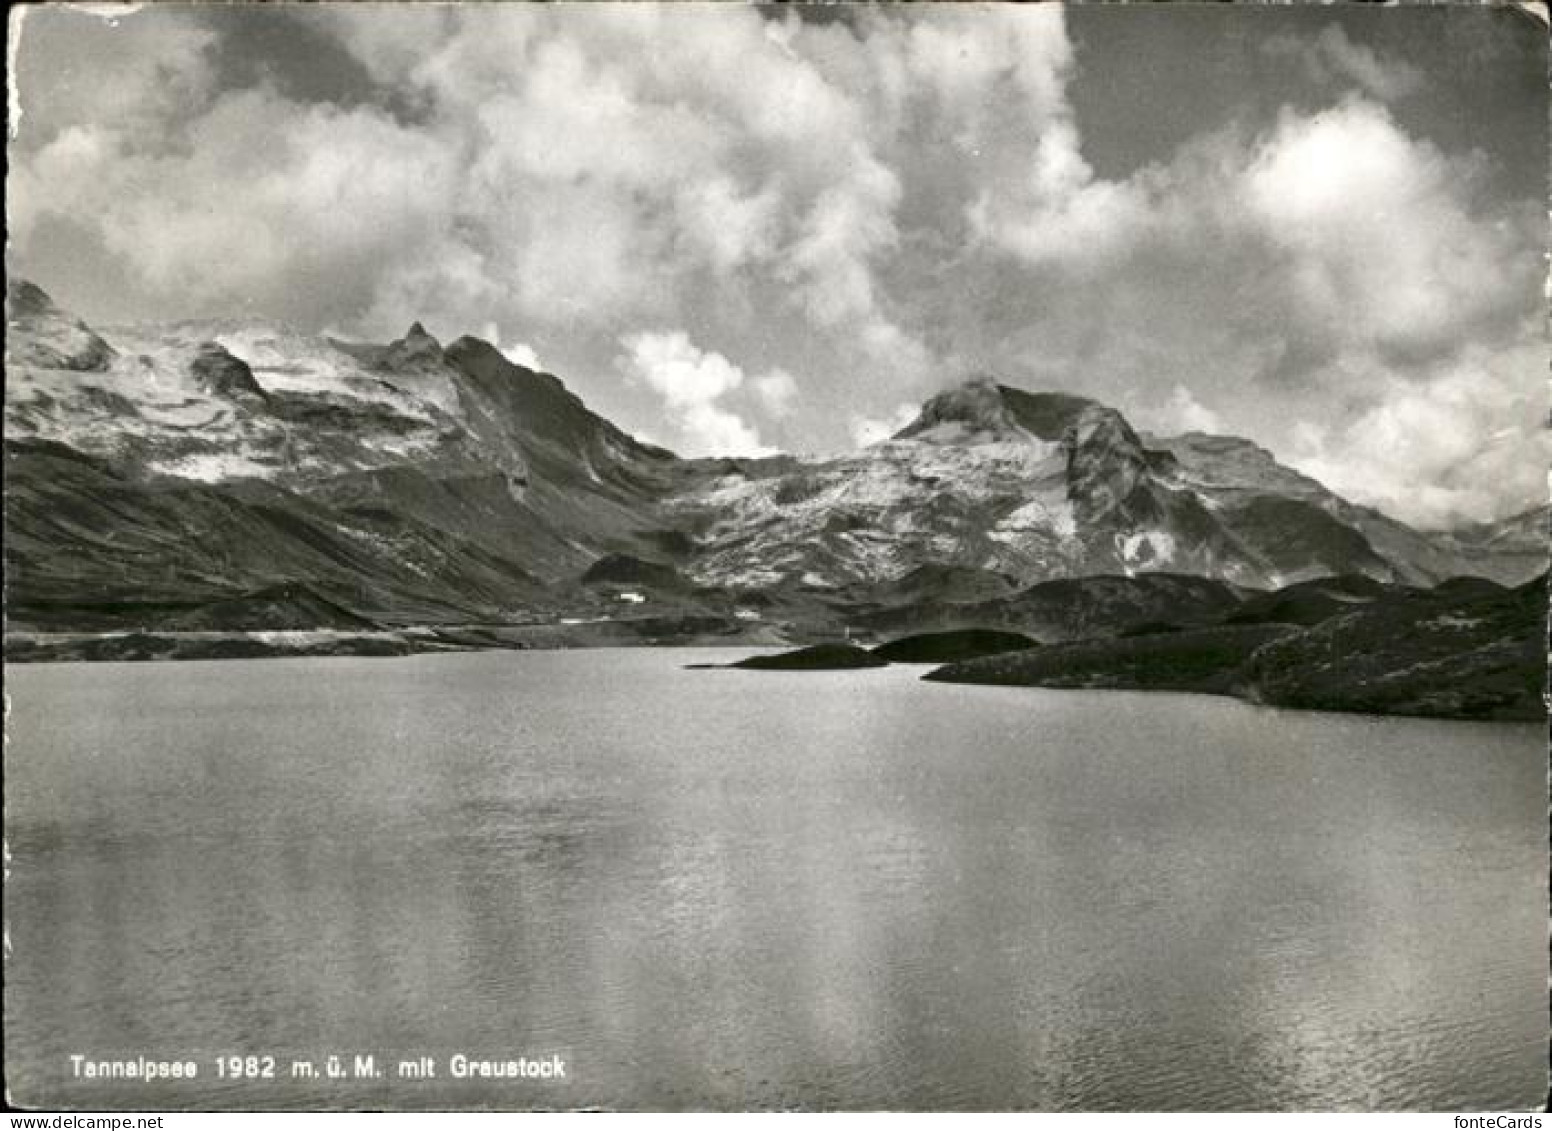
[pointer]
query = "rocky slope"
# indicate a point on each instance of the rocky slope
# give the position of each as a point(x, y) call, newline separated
point(235, 476)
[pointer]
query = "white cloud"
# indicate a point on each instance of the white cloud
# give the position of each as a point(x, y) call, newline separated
point(1333, 58)
point(1184, 413)
point(391, 39)
point(1446, 451)
point(521, 353)
point(711, 430)
point(1384, 78)
point(684, 375)
point(147, 76)
point(961, 53)
point(691, 381)
point(595, 159)
point(518, 353)
point(1383, 246)
point(244, 215)
point(727, 225)
point(1366, 237)
point(776, 390)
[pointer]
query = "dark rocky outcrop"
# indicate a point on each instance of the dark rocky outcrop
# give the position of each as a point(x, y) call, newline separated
point(980, 406)
point(1309, 602)
point(624, 571)
point(223, 374)
point(1198, 659)
point(816, 657)
point(1073, 608)
point(948, 647)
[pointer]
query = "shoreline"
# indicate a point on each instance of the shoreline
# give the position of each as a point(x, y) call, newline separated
point(72, 648)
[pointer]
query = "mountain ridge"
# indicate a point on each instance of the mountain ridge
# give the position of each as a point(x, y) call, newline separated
point(412, 482)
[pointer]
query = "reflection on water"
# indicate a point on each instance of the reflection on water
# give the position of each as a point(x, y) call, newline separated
point(731, 889)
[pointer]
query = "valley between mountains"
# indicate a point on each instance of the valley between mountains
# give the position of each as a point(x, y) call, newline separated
point(237, 489)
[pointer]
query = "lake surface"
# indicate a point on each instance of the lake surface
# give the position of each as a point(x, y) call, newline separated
point(769, 890)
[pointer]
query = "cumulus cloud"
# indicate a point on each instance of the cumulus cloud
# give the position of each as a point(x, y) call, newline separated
point(1332, 58)
point(777, 391)
point(518, 353)
point(1183, 413)
point(1381, 243)
point(1447, 450)
point(241, 215)
point(521, 353)
point(691, 382)
point(1376, 238)
point(147, 76)
point(598, 166)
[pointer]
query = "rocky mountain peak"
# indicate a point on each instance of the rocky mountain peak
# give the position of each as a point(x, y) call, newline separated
point(982, 409)
point(1106, 461)
point(540, 406)
point(416, 348)
point(220, 372)
point(1096, 427)
point(973, 409)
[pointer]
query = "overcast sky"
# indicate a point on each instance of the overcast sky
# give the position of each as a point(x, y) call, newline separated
point(733, 229)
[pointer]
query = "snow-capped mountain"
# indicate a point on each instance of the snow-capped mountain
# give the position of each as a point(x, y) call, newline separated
point(157, 473)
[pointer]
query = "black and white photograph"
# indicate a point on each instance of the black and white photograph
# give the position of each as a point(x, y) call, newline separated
point(905, 557)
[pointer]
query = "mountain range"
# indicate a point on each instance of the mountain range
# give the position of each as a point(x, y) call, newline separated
point(237, 477)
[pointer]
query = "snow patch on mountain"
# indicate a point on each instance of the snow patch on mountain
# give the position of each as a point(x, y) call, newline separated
point(1153, 548)
point(1052, 513)
point(212, 468)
